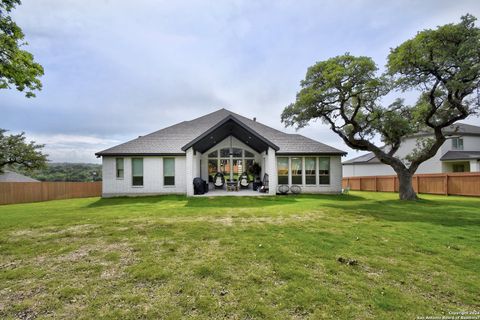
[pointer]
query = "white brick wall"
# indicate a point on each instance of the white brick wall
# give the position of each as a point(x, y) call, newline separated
point(152, 177)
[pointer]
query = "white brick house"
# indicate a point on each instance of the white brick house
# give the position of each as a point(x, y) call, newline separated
point(460, 153)
point(167, 161)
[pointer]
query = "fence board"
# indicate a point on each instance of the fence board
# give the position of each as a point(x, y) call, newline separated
point(21, 192)
point(461, 183)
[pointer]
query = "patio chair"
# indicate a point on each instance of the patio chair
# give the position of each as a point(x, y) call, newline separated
point(283, 189)
point(243, 181)
point(219, 180)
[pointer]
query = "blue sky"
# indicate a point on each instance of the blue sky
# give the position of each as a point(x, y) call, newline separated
point(118, 69)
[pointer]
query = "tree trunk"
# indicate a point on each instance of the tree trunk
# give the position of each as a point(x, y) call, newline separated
point(405, 187)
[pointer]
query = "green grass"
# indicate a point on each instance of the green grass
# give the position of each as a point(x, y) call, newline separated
point(240, 258)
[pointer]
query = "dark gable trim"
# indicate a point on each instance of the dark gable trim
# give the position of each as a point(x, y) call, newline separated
point(219, 124)
point(121, 154)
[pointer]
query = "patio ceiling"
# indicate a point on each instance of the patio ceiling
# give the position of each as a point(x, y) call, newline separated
point(229, 127)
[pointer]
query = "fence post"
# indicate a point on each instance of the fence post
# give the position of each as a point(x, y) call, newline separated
point(375, 184)
point(416, 183)
point(445, 185)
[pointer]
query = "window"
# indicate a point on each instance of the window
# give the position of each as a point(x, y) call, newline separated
point(282, 170)
point(168, 171)
point(225, 152)
point(457, 143)
point(458, 168)
point(324, 170)
point(137, 171)
point(213, 154)
point(297, 171)
point(236, 152)
point(119, 168)
point(225, 166)
point(212, 166)
point(310, 171)
point(248, 154)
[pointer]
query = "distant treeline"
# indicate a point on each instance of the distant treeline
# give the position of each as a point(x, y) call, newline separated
point(74, 172)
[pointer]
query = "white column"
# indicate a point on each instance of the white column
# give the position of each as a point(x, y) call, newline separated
point(189, 167)
point(272, 171)
point(474, 165)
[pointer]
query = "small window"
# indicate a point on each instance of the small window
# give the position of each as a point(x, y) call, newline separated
point(324, 170)
point(225, 152)
point(310, 171)
point(119, 168)
point(248, 154)
point(137, 172)
point(458, 168)
point(168, 171)
point(297, 171)
point(457, 143)
point(282, 170)
point(213, 154)
point(236, 152)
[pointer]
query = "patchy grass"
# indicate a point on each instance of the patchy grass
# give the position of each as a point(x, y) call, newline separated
point(240, 258)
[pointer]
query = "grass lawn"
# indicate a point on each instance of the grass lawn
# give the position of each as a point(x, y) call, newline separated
point(240, 258)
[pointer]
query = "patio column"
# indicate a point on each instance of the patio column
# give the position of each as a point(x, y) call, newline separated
point(474, 165)
point(189, 167)
point(272, 171)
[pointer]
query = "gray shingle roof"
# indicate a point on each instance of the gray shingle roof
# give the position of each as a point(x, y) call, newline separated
point(366, 158)
point(170, 140)
point(9, 176)
point(461, 155)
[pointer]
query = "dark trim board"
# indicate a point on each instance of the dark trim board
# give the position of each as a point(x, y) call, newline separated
point(101, 154)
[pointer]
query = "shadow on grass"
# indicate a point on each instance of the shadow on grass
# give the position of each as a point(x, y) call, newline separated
point(127, 201)
point(451, 213)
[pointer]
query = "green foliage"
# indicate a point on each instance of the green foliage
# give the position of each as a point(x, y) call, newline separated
point(74, 172)
point(17, 66)
point(346, 92)
point(15, 152)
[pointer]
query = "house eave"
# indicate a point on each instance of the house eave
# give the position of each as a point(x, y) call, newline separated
point(143, 154)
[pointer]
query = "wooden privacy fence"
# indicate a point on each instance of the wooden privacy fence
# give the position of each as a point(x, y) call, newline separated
point(463, 184)
point(21, 192)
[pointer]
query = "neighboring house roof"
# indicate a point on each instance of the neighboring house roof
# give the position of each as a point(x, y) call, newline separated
point(455, 129)
point(368, 158)
point(174, 139)
point(9, 176)
point(460, 155)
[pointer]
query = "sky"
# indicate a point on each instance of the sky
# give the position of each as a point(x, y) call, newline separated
point(118, 69)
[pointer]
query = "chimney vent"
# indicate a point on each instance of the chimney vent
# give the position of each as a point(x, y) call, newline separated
point(254, 119)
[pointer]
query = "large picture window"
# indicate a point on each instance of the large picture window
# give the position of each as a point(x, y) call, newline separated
point(137, 172)
point(168, 171)
point(296, 170)
point(119, 168)
point(282, 170)
point(324, 170)
point(310, 171)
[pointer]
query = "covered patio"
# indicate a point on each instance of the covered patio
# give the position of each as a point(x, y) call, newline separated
point(229, 148)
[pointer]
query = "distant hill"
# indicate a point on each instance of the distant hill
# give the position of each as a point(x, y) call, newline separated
point(74, 172)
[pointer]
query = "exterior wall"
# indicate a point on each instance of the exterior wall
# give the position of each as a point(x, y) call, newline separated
point(432, 165)
point(152, 177)
point(335, 185)
point(271, 170)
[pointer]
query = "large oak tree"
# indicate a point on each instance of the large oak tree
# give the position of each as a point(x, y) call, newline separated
point(442, 65)
point(18, 69)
